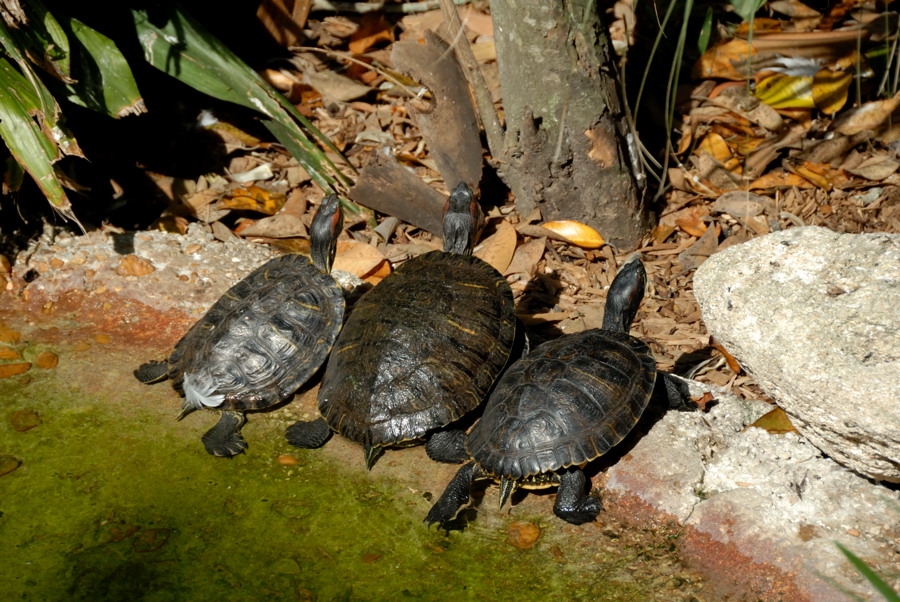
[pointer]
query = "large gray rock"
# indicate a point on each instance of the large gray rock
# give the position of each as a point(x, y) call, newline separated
point(759, 509)
point(813, 316)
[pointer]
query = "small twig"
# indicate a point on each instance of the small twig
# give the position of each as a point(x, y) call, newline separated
point(490, 121)
point(347, 56)
point(368, 7)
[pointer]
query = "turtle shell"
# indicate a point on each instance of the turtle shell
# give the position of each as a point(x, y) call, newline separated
point(419, 351)
point(262, 339)
point(567, 402)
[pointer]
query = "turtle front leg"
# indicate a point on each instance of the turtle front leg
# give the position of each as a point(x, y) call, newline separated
point(573, 504)
point(455, 495)
point(224, 439)
point(308, 435)
point(447, 446)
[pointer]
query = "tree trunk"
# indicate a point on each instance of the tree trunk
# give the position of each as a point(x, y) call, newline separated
point(568, 149)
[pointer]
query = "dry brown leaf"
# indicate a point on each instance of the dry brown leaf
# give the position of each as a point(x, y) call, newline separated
point(526, 257)
point(741, 204)
point(283, 225)
point(335, 86)
point(724, 61)
point(357, 258)
point(576, 233)
point(875, 168)
point(873, 115)
point(373, 28)
point(691, 220)
point(497, 249)
point(779, 179)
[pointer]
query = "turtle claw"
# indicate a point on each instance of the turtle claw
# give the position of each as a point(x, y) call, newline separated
point(308, 435)
point(224, 440)
point(573, 505)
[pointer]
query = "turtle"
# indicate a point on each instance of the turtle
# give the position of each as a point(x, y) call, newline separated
point(565, 403)
point(262, 340)
point(419, 351)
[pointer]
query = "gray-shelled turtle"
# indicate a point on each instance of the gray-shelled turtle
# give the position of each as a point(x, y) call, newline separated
point(419, 351)
point(567, 402)
point(262, 340)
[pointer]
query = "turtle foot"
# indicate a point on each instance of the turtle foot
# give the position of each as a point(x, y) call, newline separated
point(152, 372)
point(573, 505)
point(454, 497)
point(224, 439)
point(308, 435)
point(447, 446)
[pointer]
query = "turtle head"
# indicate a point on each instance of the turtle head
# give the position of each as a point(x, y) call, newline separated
point(323, 233)
point(460, 220)
point(624, 297)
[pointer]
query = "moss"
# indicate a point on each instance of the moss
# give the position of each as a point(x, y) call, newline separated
point(115, 500)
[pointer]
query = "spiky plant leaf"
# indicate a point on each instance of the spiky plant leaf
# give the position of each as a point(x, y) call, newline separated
point(102, 78)
point(34, 136)
point(184, 50)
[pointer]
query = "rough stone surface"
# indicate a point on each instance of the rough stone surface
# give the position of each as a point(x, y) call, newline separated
point(812, 315)
point(772, 504)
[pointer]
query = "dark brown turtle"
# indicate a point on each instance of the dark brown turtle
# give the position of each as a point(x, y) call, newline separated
point(420, 350)
point(262, 339)
point(567, 402)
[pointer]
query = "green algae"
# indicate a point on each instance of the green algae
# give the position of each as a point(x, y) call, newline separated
point(114, 500)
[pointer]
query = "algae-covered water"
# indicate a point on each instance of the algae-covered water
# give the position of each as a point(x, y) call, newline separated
point(115, 500)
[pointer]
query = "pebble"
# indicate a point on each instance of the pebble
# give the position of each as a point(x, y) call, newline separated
point(9, 354)
point(8, 335)
point(46, 360)
point(8, 464)
point(133, 265)
point(523, 535)
point(287, 460)
point(7, 370)
point(103, 339)
point(24, 420)
point(81, 346)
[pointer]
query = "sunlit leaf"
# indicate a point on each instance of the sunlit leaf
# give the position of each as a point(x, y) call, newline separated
point(252, 198)
point(35, 147)
point(576, 233)
point(775, 422)
point(782, 91)
point(829, 90)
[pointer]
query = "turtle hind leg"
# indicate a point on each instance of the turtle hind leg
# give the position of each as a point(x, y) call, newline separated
point(447, 446)
point(455, 495)
point(224, 439)
point(573, 504)
point(152, 372)
point(308, 435)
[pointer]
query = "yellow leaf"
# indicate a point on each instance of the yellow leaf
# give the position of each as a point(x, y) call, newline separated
point(252, 198)
point(576, 233)
point(775, 422)
point(829, 90)
point(782, 91)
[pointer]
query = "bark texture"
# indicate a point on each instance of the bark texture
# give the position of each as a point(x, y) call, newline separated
point(568, 149)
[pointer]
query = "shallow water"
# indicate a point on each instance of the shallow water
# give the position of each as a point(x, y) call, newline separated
point(115, 500)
